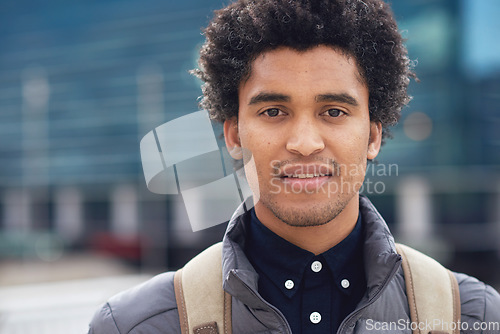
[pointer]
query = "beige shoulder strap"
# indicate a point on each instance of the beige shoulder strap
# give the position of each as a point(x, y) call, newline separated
point(433, 294)
point(204, 307)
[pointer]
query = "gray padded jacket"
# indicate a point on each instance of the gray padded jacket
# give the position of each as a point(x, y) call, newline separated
point(151, 307)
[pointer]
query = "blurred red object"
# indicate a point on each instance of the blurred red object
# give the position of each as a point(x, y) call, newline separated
point(125, 247)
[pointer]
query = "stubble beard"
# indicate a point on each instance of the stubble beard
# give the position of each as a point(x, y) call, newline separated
point(314, 215)
point(319, 213)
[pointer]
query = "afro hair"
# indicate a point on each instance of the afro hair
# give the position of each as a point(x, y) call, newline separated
point(365, 30)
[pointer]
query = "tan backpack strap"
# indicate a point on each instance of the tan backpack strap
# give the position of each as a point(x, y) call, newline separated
point(433, 294)
point(204, 307)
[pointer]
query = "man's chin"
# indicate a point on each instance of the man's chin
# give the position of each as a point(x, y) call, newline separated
point(306, 211)
point(306, 215)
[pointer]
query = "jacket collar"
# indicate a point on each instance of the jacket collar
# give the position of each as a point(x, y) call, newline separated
point(240, 278)
point(380, 256)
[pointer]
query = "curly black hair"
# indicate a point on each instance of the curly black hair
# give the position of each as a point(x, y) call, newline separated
point(363, 29)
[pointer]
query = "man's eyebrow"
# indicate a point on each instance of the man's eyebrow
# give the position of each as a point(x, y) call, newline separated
point(342, 97)
point(269, 97)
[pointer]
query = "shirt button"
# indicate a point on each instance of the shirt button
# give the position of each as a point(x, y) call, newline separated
point(289, 284)
point(315, 317)
point(316, 266)
point(345, 283)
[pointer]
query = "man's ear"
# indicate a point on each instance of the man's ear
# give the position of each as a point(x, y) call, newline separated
point(232, 138)
point(375, 140)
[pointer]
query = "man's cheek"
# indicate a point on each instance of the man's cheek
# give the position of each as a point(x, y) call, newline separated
point(276, 185)
point(349, 177)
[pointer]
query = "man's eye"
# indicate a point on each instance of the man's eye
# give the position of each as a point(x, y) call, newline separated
point(273, 112)
point(334, 112)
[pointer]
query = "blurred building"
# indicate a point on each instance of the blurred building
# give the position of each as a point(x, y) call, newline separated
point(82, 82)
point(447, 145)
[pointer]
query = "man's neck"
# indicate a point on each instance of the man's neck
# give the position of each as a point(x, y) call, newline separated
point(315, 239)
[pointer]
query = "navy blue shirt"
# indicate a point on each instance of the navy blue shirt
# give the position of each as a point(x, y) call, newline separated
point(314, 292)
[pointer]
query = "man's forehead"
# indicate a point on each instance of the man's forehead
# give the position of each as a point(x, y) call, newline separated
point(263, 57)
point(322, 72)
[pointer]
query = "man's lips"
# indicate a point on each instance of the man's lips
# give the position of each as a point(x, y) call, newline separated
point(304, 178)
point(305, 171)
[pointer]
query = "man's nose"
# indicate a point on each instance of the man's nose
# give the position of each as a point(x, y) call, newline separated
point(305, 138)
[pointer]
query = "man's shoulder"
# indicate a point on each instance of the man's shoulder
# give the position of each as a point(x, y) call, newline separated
point(142, 309)
point(480, 302)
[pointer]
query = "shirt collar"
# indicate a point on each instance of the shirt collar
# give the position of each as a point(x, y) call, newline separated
point(345, 260)
point(277, 258)
point(281, 260)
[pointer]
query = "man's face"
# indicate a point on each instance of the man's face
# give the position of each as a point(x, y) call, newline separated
point(304, 118)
